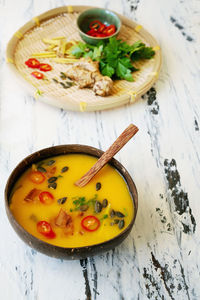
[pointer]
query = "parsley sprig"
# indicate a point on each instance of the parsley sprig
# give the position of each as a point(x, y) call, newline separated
point(80, 201)
point(115, 57)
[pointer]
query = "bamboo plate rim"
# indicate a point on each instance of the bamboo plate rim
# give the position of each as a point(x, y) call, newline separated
point(113, 102)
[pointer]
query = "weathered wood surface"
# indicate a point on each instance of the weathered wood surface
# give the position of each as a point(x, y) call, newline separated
point(161, 257)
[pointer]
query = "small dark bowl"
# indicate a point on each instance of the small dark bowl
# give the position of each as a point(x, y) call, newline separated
point(104, 16)
point(56, 251)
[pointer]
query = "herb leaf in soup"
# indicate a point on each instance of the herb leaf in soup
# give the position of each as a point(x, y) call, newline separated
point(80, 202)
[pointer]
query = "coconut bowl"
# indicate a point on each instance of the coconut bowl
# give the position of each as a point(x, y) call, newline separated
point(56, 251)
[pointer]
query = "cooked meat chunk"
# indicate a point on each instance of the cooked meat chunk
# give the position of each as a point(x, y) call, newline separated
point(88, 65)
point(63, 219)
point(83, 77)
point(103, 86)
point(30, 197)
point(86, 73)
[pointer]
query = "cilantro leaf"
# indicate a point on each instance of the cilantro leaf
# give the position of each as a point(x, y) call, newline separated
point(123, 72)
point(140, 51)
point(97, 52)
point(78, 50)
point(115, 56)
point(108, 71)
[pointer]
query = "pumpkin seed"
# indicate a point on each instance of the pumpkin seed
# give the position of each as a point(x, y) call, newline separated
point(64, 169)
point(55, 80)
point(97, 207)
point(52, 185)
point(121, 224)
point(119, 214)
point(52, 179)
point(62, 75)
point(116, 221)
point(105, 203)
point(41, 169)
point(83, 207)
point(65, 86)
point(112, 213)
point(69, 83)
point(51, 162)
point(62, 200)
point(98, 186)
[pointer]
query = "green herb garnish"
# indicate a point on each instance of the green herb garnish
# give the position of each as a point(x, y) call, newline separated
point(104, 217)
point(80, 201)
point(125, 212)
point(115, 57)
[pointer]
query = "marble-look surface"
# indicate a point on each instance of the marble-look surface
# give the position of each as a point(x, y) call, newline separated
point(161, 257)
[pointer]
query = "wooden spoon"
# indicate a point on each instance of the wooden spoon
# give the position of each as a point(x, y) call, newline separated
point(126, 135)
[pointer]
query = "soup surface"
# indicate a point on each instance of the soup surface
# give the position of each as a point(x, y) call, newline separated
point(48, 205)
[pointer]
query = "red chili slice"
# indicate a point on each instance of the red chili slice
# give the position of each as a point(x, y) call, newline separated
point(102, 27)
point(98, 29)
point(37, 75)
point(45, 67)
point(90, 223)
point(95, 24)
point(109, 30)
point(45, 229)
point(32, 63)
point(36, 177)
point(91, 31)
point(99, 34)
point(46, 198)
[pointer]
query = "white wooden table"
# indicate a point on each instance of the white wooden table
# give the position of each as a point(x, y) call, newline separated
point(161, 257)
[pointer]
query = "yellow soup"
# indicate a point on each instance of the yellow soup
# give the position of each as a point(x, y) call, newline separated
point(48, 205)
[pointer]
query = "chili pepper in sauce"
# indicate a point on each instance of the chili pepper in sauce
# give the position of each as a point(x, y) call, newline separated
point(32, 63)
point(45, 229)
point(46, 198)
point(37, 75)
point(90, 223)
point(36, 177)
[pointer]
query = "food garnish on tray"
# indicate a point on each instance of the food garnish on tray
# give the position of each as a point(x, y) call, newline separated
point(54, 41)
point(93, 66)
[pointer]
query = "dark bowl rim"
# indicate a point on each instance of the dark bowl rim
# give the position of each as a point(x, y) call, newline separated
point(99, 38)
point(113, 162)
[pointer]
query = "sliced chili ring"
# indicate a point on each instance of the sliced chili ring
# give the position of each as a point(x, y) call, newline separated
point(36, 177)
point(109, 30)
point(99, 34)
point(96, 24)
point(102, 28)
point(37, 75)
point(45, 229)
point(90, 223)
point(91, 31)
point(46, 198)
point(45, 67)
point(32, 63)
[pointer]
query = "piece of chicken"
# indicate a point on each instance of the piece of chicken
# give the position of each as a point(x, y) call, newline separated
point(86, 73)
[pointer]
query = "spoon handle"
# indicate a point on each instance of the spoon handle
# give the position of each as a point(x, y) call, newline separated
point(124, 137)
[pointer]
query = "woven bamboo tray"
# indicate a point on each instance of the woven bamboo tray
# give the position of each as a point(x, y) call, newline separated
point(62, 22)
